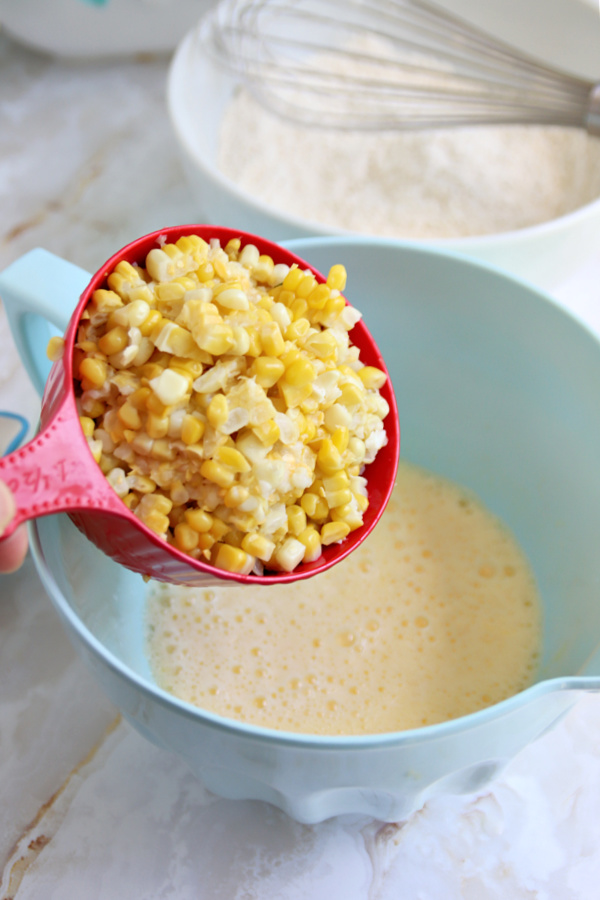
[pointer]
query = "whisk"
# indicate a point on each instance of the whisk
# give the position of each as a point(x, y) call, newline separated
point(387, 64)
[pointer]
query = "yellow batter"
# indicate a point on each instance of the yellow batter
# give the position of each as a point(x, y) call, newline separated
point(434, 616)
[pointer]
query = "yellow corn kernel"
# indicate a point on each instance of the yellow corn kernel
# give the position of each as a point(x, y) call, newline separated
point(332, 532)
point(93, 370)
point(55, 348)
point(349, 514)
point(105, 301)
point(323, 345)
point(186, 538)
point(289, 554)
point(205, 272)
point(217, 411)
point(217, 473)
point(333, 307)
point(160, 503)
point(113, 341)
point(293, 279)
point(351, 395)
point(329, 459)
point(372, 377)
point(231, 559)
point(267, 370)
point(298, 307)
point(219, 529)
point(312, 543)
point(297, 329)
point(361, 501)
point(96, 451)
point(88, 426)
point(340, 438)
point(166, 293)
point(139, 398)
point(93, 408)
point(150, 322)
point(255, 348)
point(142, 484)
point(232, 248)
point(206, 541)
point(293, 395)
point(263, 269)
point(336, 279)
point(156, 521)
point(300, 373)
point(129, 416)
point(314, 506)
point(216, 338)
point(296, 517)
point(232, 298)
point(199, 520)
point(232, 458)
point(271, 338)
point(267, 433)
point(156, 406)
point(235, 496)
point(192, 429)
point(131, 500)
point(193, 368)
point(258, 545)
point(306, 286)
point(318, 297)
point(157, 426)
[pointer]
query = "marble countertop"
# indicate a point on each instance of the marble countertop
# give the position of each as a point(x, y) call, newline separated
point(87, 806)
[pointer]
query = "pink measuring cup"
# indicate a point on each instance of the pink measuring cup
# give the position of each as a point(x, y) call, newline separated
point(55, 472)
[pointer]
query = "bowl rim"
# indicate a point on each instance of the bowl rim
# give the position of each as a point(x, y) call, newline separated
point(310, 741)
point(177, 78)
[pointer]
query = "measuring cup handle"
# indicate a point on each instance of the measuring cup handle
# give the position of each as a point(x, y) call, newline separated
point(40, 291)
point(55, 473)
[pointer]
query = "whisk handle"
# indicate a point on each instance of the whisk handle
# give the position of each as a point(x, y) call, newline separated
point(592, 122)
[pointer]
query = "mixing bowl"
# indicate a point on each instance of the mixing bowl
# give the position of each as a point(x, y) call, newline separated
point(497, 389)
point(199, 91)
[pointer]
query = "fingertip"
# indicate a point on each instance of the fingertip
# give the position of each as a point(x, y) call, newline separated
point(13, 550)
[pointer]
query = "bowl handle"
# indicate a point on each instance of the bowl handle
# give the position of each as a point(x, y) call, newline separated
point(40, 292)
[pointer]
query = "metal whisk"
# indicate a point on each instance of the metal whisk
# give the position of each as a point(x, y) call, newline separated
point(387, 64)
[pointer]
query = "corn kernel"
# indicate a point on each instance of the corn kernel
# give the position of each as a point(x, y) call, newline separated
point(332, 532)
point(218, 474)
point(129, 416)
point(372, 378)
point(93, 370)
point(150, 322)
point(232, 458)
point(156, 426)
point(55, 348)
point(192, 429)
point(311, 541)
point(235, 496)
point(329, 459)
point(231, 559)
point(289, 554)
point(296, 517)
point(267, 432)
point(186, 538)
point(87, 425)
point(340, 438)
point(258, 545)
point(267, 370)
point(306, 286)
point(336, 279)
point(318, 297)
point(300, 373)
point(293, 279)
point(351, 395)
point(272, 339)
point(199, 519)
point(218, 411)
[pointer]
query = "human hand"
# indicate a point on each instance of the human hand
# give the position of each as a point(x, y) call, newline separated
point(14, 548)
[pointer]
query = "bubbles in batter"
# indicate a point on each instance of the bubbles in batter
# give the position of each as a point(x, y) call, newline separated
point(434, 616)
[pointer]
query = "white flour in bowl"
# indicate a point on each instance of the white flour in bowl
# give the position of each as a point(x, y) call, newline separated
point(444, 183)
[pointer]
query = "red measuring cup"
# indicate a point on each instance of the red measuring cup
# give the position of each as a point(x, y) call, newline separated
point(55, 472)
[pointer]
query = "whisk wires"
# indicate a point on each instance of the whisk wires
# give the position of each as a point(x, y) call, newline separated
point(384, 64)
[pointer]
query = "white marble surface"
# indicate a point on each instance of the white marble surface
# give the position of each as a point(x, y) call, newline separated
point(87, 807)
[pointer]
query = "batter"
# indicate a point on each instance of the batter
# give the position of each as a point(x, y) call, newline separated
point(434, 616)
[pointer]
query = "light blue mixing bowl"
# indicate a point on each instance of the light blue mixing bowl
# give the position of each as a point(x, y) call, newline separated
point(498, 389)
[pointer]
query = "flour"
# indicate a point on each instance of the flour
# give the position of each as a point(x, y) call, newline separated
point(423, 184)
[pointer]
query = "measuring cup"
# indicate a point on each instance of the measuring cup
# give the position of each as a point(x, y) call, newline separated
point(55, 472)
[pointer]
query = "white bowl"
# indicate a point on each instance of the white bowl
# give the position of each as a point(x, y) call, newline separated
point(199, 91)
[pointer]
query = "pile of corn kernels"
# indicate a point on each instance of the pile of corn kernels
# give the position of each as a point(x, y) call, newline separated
point(221, 396)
